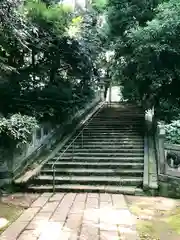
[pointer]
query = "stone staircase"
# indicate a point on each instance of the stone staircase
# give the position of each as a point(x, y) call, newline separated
point(109, 157)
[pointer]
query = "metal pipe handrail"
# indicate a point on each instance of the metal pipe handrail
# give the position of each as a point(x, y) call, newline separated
point(53, 166)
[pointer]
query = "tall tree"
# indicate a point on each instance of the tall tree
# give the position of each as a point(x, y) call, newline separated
point(147, 54)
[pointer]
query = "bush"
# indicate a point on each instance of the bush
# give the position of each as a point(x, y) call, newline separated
point(16, 129)
point(173, 132)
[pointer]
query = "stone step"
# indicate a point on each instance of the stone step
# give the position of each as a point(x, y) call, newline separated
point(108, 146)
point(110, 164)
point(97, 154)
point(92, 180)
point(98, 159)
point(111, 131)
point(115, 123)
point(114, 128)
point(120, 116)
point(110, 142)
point(129, 190)
point(100, 150)
point(110, 137)
point(93, 172)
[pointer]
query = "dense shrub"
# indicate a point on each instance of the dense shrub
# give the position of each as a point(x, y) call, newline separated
point(16, 129)
point(173, 132)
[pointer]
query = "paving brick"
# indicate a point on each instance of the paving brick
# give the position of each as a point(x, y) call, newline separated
point(105, 205)
point(92, 203)
point(119, 217)
point(13, 231)
point(40, 201)
point(74, 236)
point(109, 235)
point(63, 208)
point(75, 218)
point(28, 215)
point(42, 216)
point(81, 197)
point(59, 217)
point(103, 226)
point(91, 215)
point(28, 235)
point(56, 197)
point(67, 201)
point(89, 232)
point(53, 231)
point(49, 207)
point(93, 195)
point(119, 201)
point(77, 207)
point(105, 197)
point(38, 223)
point(73, 221)
point(47, 195)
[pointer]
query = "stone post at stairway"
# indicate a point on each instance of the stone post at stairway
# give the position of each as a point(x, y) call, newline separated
point(110, 93)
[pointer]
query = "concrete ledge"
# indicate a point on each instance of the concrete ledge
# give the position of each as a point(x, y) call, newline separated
point(146, 164)
point(150, 179)
point(169, 186)
point(169, 146)
point(153, 180)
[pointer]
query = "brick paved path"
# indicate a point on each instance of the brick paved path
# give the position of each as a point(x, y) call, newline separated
point(71, 216)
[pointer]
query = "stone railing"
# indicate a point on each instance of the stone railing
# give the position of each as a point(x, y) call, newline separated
point(42, 141)
point(168, 162)
point(168, 155)
point(159, 138)
point(172, 159)
point(150, 164)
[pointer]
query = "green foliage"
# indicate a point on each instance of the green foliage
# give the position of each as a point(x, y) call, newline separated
point(16, 129)
point(173, 132)
point(147, 52)
point(99, 5)
point(49, 59)
point(126, 14)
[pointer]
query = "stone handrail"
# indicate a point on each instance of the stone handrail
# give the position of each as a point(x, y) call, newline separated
point(150, 163)
point(43, 139)
point(160, 149)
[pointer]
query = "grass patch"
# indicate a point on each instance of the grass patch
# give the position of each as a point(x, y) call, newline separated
point(9, 212)
point(174, 220)
point(156, 218)
point(147, 230)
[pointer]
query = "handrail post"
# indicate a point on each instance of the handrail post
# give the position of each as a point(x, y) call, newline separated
point(54, 179)
point(73, 150)
point(82, 140)
point(161, 137)
point(71, 144)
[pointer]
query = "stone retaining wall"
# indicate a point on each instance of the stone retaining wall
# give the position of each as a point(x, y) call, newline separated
point(169, 178)
point(43, 139)
point(169, 186)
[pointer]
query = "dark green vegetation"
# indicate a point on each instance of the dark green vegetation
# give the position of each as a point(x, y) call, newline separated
point(49, 60)
point(147, 58)
point(52, 57)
